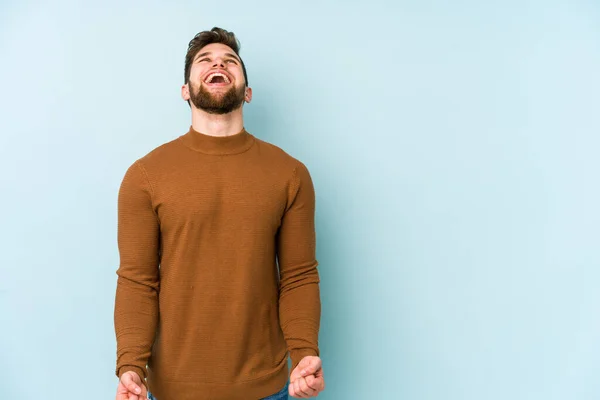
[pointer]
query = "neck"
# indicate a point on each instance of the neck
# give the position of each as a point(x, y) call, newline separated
point(217, 124)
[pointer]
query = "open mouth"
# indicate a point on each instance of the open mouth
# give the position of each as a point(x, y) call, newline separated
point(217, 79)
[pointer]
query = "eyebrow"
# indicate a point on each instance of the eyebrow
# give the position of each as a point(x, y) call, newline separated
point(230, 55)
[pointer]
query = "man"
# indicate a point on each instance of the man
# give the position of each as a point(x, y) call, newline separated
point(217, 278)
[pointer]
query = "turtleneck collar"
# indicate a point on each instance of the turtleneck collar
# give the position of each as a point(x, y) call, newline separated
point(217, 145)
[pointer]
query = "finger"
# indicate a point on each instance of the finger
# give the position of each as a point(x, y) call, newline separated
point(311, 382)
point(305, 389)
point(297, 389)
point(313, 365)
point(122, 390)
point(130, 384)
point(133, 388)
point(292, 389)
point(298, 385)
point(305, 367)
point(319, 383)
point(123, 393)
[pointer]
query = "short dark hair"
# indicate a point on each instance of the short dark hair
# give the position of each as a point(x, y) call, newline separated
point(204, 38)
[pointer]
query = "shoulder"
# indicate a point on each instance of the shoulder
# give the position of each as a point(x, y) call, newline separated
point(160, 157)
point(289, 168)
point(279, 156)
point(147, 166)
point(164, 152)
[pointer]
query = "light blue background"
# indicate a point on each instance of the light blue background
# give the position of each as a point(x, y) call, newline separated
point(454, 148)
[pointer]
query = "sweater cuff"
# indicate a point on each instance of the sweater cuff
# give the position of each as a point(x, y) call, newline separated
point(141, 373)
point(298, 355)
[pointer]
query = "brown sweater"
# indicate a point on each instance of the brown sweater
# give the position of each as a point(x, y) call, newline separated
point(218, 277)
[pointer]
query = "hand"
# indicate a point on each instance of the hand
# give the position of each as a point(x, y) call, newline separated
point(131, 387)
point(306, 380)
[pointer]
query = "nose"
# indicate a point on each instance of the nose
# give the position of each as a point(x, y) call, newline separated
point(219, 62)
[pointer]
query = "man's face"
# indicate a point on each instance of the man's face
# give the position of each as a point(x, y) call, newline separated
point(216, 83)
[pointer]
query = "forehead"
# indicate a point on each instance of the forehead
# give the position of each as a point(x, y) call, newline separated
point(218, 49)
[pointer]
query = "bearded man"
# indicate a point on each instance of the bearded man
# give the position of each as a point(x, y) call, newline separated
point(217, 282)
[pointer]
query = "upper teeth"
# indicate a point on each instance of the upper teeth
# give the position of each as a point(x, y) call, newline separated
point(211, 76)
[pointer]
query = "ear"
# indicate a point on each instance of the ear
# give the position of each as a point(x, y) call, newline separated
point(185, 92)
point(248, 95)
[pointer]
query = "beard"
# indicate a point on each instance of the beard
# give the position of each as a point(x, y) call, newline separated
point(217, 104)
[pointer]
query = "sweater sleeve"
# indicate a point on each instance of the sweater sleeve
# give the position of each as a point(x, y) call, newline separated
point(299, 297)
point(136, 300)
